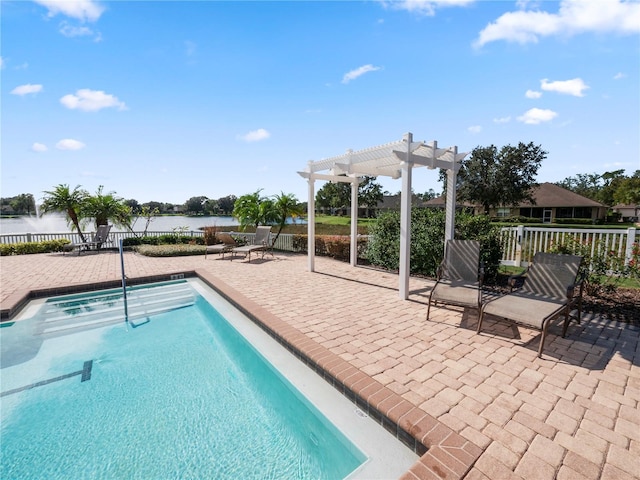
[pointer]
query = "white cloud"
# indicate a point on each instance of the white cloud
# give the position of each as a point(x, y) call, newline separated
point(2, 63)
point(26, 89)
point(619, 75)
point(39, 147)
point(573, 87)
point(353, 74)
point(91, 101)
point(424, 7)
point(83, 10)
point(532, 94)
point(535, 116)
point(502, 120)
point(70, 144)
point(255, 135)
point(474, 129)
point(573, 17)
point(72, 31)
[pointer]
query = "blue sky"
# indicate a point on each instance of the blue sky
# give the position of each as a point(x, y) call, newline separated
point(164, 101)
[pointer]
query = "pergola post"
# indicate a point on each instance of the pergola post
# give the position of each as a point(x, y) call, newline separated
point(450, 213)
point(354, 222)
point(405, 221)
point(311, 225)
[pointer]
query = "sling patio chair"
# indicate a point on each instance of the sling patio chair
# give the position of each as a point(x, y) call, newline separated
point(101, 237)
point(228, 244)
point(459, 276)
point(261, 243)
point(553, 285)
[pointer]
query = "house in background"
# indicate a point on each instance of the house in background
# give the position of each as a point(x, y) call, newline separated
point(552, 203)
point(628, 213)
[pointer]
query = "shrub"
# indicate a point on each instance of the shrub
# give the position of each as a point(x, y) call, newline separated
point(603, 267)
point(573, 221)
point(427, 240)
point(335, 246)
point(170, 250)
point(167, 239)
point(26, 248)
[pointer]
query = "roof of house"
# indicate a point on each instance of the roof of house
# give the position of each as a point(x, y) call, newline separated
point(545, 195)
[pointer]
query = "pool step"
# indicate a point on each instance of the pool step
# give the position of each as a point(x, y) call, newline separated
point(74, 314)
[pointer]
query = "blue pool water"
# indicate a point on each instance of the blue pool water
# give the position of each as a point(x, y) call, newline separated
point(181, 396)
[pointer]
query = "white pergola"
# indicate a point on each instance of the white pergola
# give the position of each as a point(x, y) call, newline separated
point(395, 160)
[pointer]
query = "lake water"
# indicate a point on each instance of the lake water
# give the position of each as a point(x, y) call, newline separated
point(58, 224)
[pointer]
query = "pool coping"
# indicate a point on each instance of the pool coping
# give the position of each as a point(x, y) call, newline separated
point(443, 452)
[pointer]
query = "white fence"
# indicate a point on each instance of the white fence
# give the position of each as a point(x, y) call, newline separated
point(521, 243)
point(284, 241)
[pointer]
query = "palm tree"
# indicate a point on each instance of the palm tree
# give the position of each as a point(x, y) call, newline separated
point(70, 202)
point(102, 207)
point(252, 209)
point(286, 205)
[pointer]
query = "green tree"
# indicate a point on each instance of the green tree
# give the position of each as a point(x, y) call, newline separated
point(23, 203)
point(253, 209)
point(134, 205)
point(130, 218)
point(611, 182)
point(333, 196)
point(585, 184)
point(226, 204)
point(286, 206)
point(369, 194)
point(492, 177)
point(195, 205)
point(337, 196)
point(628, 190)
point(70, 202)
point(103, 207)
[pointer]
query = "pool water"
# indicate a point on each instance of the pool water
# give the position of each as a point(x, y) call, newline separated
point(181, 396)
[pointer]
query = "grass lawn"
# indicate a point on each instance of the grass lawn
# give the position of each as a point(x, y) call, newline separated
point(325, 225)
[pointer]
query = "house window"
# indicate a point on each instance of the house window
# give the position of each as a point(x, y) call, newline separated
point(531, 212)
point(503, 212)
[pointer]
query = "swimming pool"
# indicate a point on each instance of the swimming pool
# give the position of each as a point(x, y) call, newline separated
point(182, 396)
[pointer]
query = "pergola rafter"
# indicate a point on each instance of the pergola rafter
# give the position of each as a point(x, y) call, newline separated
point(395, 160)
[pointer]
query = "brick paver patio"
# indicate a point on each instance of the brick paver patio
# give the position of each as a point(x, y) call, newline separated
point(484, 406)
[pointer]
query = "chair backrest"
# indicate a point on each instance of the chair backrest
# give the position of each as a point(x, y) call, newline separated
point(462, 260)
point(551, 273)
point(262, 236)
point(102, 233)
point(226, 239)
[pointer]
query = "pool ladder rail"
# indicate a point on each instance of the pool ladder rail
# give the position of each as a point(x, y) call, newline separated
point(64, 316)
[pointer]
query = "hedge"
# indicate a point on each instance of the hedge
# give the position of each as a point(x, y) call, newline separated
point(26, 248)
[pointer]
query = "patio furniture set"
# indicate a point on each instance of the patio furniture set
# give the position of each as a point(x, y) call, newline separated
point(552, 286)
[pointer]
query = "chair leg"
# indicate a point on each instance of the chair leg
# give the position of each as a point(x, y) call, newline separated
point(544, 336)
point(480, 318)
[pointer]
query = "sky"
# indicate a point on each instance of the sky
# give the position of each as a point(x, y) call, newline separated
point(164, 101)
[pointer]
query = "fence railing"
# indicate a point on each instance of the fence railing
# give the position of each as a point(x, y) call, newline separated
point(520, 243)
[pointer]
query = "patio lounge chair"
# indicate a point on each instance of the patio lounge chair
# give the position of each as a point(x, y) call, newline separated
point(552, 286)
point(101, 237)
point(261, 243)
point(228, 244)
point(459, 276)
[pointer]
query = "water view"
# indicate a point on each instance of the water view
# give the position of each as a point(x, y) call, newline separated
point(57, 224)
